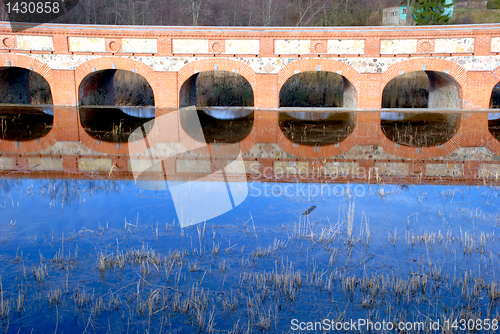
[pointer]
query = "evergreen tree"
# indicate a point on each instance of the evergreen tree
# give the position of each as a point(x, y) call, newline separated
point(429, 12)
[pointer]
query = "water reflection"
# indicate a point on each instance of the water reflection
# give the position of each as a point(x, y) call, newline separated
point(115, 124)
point(316, 128)
point(133, 252)
point(23, 123)
point(494, 124)
point(187, 151)
point(419, 129)
point(225, 125)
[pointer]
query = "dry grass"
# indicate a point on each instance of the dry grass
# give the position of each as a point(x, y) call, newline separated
point(39, 89)
point(422, 130)
point(410, 90)
point(328, 131)
point(313, 89)
point(309, 268)
point(221, 88)
point(132, 89)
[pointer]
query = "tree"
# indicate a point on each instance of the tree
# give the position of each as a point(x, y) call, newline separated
point(346, 13)
point(268, 11)
point(194, 9)
point(430, 12)
point(409, 11)
point(493, 4)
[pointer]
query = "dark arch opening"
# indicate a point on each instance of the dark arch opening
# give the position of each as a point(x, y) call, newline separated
point(224, 102)
point(494, 124)
point(318, 89)
point(494, 118)
point(23, 86)
point(495, 97)
point(216, 89)
point(32, 117)
point(23, 123)
point(114, 103)
point(316, 128)
point(115, 88)
point(422, 89)
point(420, 129)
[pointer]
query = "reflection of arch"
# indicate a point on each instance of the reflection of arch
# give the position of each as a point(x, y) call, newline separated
point(326, 151)
point(30, 146)
point(220, 131)
point(438, 70)
point(422, 129)
point(492, 143)
point(423, 152)
point(118, 63)
point(327, 65)
point(189, 71)
point(101, 146)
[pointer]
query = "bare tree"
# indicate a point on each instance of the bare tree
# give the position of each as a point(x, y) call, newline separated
point(194, 9)
point(268, 12)
point(409, 12)
point(227, 12)
point(306, 10)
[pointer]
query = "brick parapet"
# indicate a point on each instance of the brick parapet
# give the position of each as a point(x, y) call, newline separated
point(164, 35)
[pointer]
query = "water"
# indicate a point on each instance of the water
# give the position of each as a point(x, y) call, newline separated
point(90, 244)
point(21, 123)
point(115, 254)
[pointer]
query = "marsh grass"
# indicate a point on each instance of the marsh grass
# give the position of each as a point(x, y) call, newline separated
point(223, 131)
point(132, 89)
point(332, 130)
point(39, 89)
point(313, 89)
point(24, 123)
point(221, 88)
point(138, 277)
point(410, 90)
point(110, 124)
point(422, 129)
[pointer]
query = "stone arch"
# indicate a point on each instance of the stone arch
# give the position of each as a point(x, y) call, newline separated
point(30, 146)
point(423, 152)
point(186, 76)
point(495, 79)
point(326, 65)
point(31, 64)
point(326, 151)
point(117, 63)
point(440, 70)
point(492, 143)
point(211, 64)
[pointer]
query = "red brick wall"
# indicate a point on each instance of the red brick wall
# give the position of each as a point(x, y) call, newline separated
point(475, 87)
